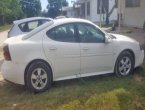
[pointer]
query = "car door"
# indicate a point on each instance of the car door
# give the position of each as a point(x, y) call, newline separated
point(96, 55)
point(63, 51)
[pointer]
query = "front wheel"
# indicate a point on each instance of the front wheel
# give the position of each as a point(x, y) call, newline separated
point(38, 77)
point(125, 64)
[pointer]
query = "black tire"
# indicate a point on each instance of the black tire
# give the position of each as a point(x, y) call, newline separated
point(38, 72)
point(120, 67)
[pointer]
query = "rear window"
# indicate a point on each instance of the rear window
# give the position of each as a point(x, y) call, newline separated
point(29, 26)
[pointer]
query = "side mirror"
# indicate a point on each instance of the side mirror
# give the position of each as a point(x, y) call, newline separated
point(108, 40)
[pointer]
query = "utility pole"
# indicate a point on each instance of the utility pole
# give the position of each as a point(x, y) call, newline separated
point(100, 13)
point(119, 15)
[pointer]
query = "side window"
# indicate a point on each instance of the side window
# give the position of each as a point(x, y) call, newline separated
point(44, 21)
point(32, 25)
point(63, 33)
point(29, 26)
point(90, 34)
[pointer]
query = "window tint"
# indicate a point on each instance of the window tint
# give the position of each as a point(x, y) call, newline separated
point(132, 3)
point(29, 26)
point(63, 33)
point(90, 34)
point(44, 21)
point(88, 8)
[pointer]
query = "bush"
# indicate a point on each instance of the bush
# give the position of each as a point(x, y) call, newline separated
point(74, 105)
point(104, 101)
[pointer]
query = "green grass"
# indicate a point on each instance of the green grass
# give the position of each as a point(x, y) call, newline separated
point(106, 92)
point(5, 27)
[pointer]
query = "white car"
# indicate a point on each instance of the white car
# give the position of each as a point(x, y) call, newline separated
point(67, 48)
point(26, 25)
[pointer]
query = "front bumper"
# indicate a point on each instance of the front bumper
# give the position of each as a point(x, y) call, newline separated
point(13, 72)
point(139, 58)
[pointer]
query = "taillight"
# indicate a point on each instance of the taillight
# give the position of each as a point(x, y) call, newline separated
point(6, 52)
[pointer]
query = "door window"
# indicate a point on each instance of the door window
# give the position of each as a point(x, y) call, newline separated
point(90, 34)
point(63, 33)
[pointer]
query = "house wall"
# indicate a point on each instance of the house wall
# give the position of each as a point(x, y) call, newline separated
point(93, 11)
point(70, 13)
point(134, 16)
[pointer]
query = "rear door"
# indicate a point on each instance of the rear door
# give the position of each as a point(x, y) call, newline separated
point(63, 51)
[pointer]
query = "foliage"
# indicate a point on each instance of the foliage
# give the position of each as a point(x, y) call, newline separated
point(55, 7)
point(9, 11)
point(74, 105)
point(109, 13)
point(113, 100)
point(31, 8)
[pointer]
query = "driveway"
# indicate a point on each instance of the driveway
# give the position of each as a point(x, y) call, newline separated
point(135, 33)
point(3, 37)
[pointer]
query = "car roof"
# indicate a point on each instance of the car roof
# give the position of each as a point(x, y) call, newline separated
point(70, 20)
point(30, 19)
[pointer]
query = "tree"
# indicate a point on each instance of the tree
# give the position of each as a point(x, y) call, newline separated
point(55, 7)
point(31, 8)
point(108, 13)
point(9, 11)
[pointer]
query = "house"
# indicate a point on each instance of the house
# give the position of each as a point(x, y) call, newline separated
point(133, 12)
point(68, 11)
point(71, 11)
point(90, 9)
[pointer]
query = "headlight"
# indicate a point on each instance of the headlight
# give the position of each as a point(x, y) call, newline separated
point(142, 46)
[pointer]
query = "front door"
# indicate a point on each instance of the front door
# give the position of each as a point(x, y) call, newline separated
point(96, 55)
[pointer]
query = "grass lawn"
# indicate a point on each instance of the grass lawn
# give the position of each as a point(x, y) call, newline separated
point(5, 27)
point(106, 92)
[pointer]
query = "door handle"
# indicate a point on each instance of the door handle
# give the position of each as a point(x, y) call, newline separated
point(85, 48)
point(52, 48)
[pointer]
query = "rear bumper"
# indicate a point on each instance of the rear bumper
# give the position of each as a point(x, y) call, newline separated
point(139, 58)
point(13, 72)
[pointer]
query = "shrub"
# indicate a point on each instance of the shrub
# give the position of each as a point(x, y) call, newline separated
point(104, 101)
point(74, 105)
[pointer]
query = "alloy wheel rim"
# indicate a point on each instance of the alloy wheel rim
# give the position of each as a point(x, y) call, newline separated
point(125, 66)
point(39, 78)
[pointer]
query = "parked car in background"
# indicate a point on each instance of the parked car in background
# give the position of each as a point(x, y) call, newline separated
point(26, 25)
point(67, 48)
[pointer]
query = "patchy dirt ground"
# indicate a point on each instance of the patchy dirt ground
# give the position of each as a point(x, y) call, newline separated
point(135, 33)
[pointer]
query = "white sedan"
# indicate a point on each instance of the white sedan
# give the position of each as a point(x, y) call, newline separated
point(67, 48)
point(26, 25)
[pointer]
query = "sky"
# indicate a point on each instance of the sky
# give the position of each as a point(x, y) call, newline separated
point(44, 4)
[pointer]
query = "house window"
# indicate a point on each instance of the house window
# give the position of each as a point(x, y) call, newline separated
point(104, 7)
point(132, 3)
point(88, 8)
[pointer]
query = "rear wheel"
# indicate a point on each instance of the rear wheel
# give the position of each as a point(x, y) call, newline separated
point(124, 64)
point(38, 77)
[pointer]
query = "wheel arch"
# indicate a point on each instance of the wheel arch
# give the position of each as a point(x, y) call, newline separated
point(126, 50)
point(31, 62)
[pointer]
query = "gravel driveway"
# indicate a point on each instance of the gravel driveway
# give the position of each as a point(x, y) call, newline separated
point(3, 37)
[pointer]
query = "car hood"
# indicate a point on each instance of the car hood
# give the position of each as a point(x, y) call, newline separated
point(14, 39)
point(119, 37)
